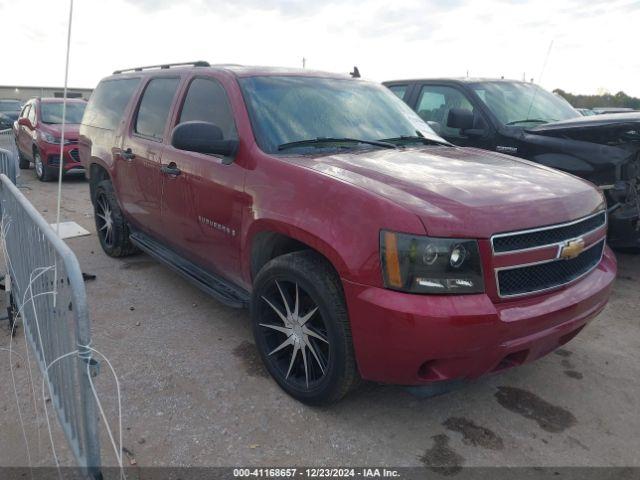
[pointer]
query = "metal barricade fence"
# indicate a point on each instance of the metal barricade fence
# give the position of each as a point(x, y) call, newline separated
point(8, 155)
point(48, 289)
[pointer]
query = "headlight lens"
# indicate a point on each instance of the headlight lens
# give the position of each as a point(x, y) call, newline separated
point(419, 264)
point(47, 137)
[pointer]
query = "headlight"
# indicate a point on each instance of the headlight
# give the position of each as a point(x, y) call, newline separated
point(419, 264)
point(47, 137)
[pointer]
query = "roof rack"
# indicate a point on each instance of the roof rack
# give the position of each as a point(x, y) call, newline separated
point(199, 63)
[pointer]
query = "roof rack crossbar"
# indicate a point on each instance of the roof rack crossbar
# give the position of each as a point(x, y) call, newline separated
point(198, 63)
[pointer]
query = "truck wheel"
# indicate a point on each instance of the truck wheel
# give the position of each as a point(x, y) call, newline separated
point(301, 328)
point(43, 172)
point(112, 228)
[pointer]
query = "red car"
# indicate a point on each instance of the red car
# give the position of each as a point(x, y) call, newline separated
point(38, 132)
point(365, 245)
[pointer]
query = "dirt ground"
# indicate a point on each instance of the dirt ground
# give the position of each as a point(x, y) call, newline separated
point(195, 392)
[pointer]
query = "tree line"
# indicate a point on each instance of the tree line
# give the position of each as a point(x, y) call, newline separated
point(619, 99)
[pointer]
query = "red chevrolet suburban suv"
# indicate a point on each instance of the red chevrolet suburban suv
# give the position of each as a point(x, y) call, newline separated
point(38, 133)
point(366, 246)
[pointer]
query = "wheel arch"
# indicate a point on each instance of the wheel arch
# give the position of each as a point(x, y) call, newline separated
point(97, 173)
point(268, 240)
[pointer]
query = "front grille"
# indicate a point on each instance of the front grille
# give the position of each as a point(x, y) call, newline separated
point(545, 276)
point(75, 155)
point(511, 242)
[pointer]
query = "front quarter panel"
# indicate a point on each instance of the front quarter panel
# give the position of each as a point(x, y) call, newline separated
point(339, 220)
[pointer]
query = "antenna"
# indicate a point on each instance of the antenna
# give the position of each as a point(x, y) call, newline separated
point(535, 90)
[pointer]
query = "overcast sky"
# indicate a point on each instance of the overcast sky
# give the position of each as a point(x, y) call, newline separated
point(595, 43)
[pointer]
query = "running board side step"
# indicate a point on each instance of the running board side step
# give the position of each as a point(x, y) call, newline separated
point(215, 286)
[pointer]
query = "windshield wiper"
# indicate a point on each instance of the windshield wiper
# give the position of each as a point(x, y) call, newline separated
point(403, 139)
point(532, 120)
point(322, 141)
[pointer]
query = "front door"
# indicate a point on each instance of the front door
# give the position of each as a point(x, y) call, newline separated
point(141, 155)
point(433, 106)
point(202, 199)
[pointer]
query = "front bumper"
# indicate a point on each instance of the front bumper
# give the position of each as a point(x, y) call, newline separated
point(50, 154)
point(416, 339)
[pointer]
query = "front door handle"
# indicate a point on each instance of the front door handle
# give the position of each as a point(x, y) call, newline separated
point(171, 169)
point(127, 154)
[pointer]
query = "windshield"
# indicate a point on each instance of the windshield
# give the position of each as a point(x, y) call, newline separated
point(9, 106)
point(284, 110)
point(52, 112)
point(520, 103)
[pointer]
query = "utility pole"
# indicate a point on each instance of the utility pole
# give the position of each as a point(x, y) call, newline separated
point(304, 62)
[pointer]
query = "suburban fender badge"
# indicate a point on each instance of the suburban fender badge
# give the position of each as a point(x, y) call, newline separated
point(572, 249)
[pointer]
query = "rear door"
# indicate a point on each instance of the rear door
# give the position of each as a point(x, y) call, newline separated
point(24, 134)
point(141, 154)
point(202, 205)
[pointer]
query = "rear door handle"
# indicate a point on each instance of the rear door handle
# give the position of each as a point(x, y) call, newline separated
point(127, 154)
point(171, 169)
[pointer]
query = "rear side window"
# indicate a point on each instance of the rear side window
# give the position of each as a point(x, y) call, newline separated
point(155, 106)
point(32, 114)
point(207, 101)
point(399, 90)
point(25, 111)
point(108, 102)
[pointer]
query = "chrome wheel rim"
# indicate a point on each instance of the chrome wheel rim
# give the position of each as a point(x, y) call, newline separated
point(104, 220)
point(295, 334)
point(38, 164)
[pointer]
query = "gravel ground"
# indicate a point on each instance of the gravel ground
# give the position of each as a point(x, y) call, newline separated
point(195, 393)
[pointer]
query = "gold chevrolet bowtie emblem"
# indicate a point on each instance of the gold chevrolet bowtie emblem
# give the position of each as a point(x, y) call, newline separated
point(572, 249)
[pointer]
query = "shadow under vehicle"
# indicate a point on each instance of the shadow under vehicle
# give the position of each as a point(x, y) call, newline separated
point(524, 120)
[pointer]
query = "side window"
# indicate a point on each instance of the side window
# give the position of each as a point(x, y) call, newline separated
point(32, 114)
point(108, 102)
point(399, 90)
point(434, 104)
point(154, 107)
point(207, 101)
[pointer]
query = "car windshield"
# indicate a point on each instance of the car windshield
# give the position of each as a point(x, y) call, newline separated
point(9, 106)
point(312, 110)
point(52, 112)
point(525, 104)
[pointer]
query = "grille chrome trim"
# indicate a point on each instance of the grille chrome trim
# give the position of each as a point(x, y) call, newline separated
point(555, 287)
point(550, 227)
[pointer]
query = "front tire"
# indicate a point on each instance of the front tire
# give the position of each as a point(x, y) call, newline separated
point(43, 172)
point(301, 328)
point(112, 228)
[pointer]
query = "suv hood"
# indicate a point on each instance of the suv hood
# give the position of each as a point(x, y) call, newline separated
point(71, 130)
point(464, 192)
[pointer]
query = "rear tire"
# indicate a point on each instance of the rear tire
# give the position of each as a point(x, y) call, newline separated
point(23, 163)
point(301, 328)
point(111, 227)
point(43, 172)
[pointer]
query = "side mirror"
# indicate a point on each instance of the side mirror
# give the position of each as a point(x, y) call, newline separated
point(203, 137)
point(460, 118)
point(25, 122)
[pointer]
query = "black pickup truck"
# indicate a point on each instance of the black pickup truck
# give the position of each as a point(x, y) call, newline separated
point(524, 120)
